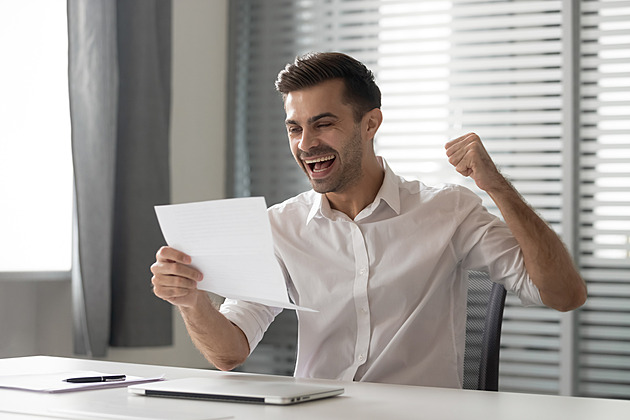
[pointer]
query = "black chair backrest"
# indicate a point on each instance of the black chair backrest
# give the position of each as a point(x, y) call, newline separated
point(485, 304)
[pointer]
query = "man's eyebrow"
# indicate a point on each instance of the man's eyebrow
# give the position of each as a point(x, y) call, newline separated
point(320, 116)
point(313, 119)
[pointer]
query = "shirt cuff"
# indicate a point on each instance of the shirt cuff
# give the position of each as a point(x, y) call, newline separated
point(252, 318)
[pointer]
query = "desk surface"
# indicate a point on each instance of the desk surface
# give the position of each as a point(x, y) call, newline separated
point(360, 400)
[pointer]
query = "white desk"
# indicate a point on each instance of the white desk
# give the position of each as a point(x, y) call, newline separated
point(360, 400)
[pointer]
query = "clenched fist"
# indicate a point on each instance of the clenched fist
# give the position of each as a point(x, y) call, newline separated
point(470, 158)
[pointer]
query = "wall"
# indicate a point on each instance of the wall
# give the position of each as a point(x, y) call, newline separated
point(36, 317)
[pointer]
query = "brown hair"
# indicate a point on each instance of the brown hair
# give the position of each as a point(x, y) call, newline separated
point(310, 69)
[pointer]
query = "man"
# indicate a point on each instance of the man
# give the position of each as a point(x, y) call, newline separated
point(383, 260)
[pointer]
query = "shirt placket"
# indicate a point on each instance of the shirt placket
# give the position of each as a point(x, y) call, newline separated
point(360, 297)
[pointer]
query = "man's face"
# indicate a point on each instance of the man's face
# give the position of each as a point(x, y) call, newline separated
point(324, 137)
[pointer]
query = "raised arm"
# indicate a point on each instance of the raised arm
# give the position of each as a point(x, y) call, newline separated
point(546, 258)
point(221, 342)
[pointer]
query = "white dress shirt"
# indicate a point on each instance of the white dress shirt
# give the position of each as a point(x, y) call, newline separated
point(390, 285)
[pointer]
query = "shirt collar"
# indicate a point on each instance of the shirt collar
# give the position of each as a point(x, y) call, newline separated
point(389, 193)
point(316, 207)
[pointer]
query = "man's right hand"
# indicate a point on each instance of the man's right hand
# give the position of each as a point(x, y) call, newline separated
point(174, 280)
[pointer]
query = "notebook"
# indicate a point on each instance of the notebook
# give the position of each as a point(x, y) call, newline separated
point(234, 389)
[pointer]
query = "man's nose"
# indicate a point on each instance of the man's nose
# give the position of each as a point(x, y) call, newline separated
point(309, 140)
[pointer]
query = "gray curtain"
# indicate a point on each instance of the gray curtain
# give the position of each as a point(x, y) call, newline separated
point(119, 81)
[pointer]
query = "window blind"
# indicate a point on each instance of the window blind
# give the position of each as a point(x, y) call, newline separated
point(498, 68)
point(604, 230)
point(494, 68)
point(445, 68)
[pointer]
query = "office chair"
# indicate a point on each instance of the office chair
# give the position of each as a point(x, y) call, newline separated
point(485, 304)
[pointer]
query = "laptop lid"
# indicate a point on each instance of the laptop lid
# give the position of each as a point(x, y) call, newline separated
point(235, 389)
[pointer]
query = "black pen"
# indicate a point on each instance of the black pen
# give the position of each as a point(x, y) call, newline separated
point(87, 379)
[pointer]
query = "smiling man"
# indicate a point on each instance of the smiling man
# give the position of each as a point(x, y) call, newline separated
point(383, 259)
point(333, 145)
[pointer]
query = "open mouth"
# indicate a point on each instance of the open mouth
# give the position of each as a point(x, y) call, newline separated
point(320, 164)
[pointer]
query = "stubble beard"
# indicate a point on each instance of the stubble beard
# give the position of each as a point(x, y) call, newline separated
point(350, 157)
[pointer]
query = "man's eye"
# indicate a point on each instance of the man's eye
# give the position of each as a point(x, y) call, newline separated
point(294, 130)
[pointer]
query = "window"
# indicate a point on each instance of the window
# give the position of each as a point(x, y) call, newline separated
point(495, 68)
point(604, 187)
point(546, 85)
point(35, 157)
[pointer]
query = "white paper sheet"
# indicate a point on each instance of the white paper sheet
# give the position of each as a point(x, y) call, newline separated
point(230, 242)
point(54, 382)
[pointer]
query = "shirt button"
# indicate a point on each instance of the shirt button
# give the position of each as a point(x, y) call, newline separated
point(364, 310)
point(361, 358)
point(362, 271)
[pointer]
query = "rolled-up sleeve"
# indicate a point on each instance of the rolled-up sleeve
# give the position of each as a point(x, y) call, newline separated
point(487, 244)
point(252, 318)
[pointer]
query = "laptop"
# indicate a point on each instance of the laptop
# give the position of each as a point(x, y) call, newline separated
point(258, 390)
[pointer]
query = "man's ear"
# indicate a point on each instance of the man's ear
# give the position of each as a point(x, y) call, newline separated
point(371, 122)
